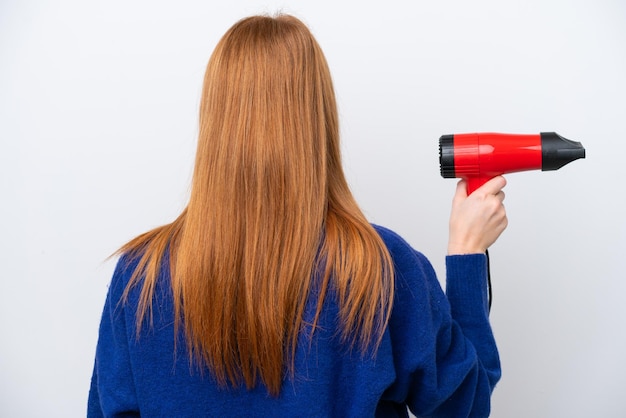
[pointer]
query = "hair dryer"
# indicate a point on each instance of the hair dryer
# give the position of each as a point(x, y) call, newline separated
point(479, 157)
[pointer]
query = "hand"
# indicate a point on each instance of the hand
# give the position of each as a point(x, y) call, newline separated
point(477, 220)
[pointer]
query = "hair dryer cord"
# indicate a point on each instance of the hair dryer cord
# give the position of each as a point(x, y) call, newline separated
point(490, 293)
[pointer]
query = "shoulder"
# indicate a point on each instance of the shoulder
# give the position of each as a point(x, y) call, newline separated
point(402, 253)
point(415, 280)
point(419, 307)
point(125, 268)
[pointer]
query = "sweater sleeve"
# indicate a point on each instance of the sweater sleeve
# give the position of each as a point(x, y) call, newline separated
point(112, 392)
point(444, 353)
point(467, 361)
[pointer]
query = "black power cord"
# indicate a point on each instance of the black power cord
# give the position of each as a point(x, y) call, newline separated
point(490, 293)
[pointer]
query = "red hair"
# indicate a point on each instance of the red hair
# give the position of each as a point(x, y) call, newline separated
point(269, 207)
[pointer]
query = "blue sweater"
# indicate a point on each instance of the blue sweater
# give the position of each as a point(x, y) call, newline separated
point(438, 355)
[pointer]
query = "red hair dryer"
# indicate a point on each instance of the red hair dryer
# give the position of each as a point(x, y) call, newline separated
point(479, 157)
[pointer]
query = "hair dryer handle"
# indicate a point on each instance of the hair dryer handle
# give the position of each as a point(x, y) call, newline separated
point(474, 183)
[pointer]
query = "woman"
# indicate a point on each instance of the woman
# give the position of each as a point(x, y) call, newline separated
point(271, 294)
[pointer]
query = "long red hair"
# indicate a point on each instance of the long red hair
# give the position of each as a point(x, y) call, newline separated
point(269, 209)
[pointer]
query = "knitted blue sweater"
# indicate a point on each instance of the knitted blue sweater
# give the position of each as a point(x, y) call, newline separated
point(438, 355)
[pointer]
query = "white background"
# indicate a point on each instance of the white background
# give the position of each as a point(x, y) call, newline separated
point(98, 119)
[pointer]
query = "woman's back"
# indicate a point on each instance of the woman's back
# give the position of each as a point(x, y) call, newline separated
point(422, 359)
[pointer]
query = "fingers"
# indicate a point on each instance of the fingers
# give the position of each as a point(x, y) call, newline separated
point(476, 221)
point(494, 185)
point(461, 190)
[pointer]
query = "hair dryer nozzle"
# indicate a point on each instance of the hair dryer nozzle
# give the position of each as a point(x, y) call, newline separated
point(557, 151)
point(446, 156)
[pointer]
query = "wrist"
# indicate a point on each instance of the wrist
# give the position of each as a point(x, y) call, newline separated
point(464, 248)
